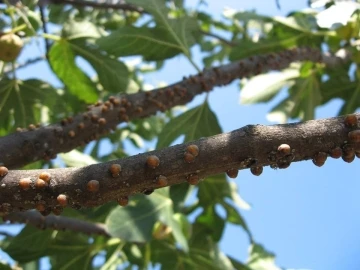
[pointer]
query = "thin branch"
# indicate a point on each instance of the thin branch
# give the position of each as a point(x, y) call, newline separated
point(99, 5)
point(30, 145)
point(253, 146)
point(223, 40)
point(45, 31)
point(56, 222)
point(25, 64)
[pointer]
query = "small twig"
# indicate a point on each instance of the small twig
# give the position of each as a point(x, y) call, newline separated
point(56, 222)
point(28, 62)
point(223, 40)
point(44, 27)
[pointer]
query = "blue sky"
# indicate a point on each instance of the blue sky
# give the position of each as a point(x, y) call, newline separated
point(305, 214)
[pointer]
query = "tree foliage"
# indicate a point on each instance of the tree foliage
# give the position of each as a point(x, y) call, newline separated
point(177, 226)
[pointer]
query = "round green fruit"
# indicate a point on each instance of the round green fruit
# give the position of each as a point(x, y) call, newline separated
point(10, 47)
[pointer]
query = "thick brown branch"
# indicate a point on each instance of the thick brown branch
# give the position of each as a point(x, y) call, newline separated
point(30, 145)
point(99, 5)
point(57, 223)
point(251, 146)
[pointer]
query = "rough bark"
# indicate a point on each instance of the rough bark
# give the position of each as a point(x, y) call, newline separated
point(248, 147)
point(30, 145)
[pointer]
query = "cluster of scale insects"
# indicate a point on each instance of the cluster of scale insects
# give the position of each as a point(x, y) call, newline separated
point(281, 158)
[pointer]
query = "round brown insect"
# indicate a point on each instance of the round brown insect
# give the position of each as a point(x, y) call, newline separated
point(123, 201)
point(64, 122)
point(81, 125)
point(45, 176)
point(62, 199)
point(94, 118)
point(40, 207)
point(350, 120)
point(336, 152)
point(193, 179)
point(283, 164)
point(31, 127)
point(349, 158)
point(162, 181)
point(25, 183)
point(102, 121)
point(232, 173)
point(115, 170)
point(348, 150)
point(139, 109)
point(93, 186)
point(39, 184)
point(3, 171)
point(104, 108)
point(152, 161)
point(71, 133)
point(319, 159)
point(354, 136)
point(284, 149)
point(193, 149)
point(256, 170)
point(189, 158)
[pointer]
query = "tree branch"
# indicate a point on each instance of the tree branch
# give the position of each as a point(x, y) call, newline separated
point(99, 5)
point(252, 146)
point(30, 145)
point(57, 223)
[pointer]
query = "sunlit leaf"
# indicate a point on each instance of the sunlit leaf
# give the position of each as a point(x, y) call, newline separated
point(76, 158)
point(62, 59)
point(73, 29)
point(152, 43)
point(135, 222)
point(23, 101)
point(261, 259)
point(112, 73)
point(194, 124)
point(263, 88)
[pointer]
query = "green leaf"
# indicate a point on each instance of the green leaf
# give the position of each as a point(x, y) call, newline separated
point(233, 216)
point(73, 29)
point(32, 21)
point(152, 43)
point(262, 88)
point(213, 223)
point(135, 222)
point(216, 188)
point(194, 124)
point(178, 30)
point(23, 101)
point(30, 244)
point(261, 259)
point(4, 266)
point(112, 73)
point(71, 251)
point(275, 44)
point(304, 97)
point(62, 59)
point(76, 158)
point(352, 103)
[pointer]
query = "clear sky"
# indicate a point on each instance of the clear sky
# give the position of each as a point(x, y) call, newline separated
point(305, 214)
